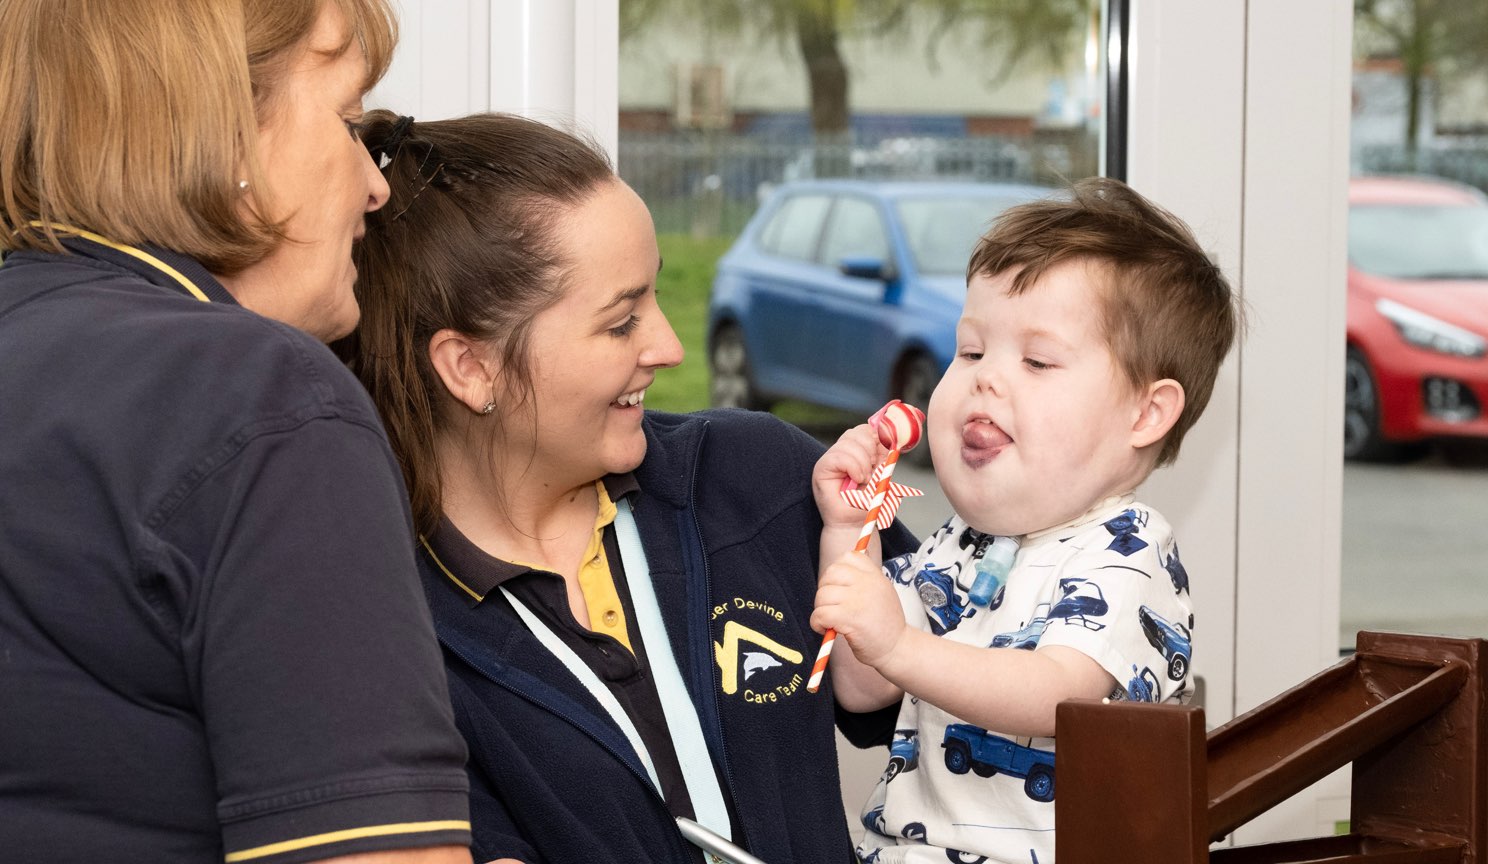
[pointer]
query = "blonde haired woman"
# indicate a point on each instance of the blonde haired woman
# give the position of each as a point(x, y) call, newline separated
point(212, 643)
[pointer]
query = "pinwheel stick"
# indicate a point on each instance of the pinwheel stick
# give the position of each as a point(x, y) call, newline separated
point(899, 428)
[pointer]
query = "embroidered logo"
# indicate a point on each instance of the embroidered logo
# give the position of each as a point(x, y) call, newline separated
point(757, 661)
point(751, 663)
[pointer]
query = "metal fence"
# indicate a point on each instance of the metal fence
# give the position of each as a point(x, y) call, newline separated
point(1465, 163)
point(710, 184)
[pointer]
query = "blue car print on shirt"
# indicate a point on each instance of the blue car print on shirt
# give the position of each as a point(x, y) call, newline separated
point(1124, 529)
point(897, 569)
point(1176, 571)
point(873, 820)
point(1143, 686)
point(1081, 602)
point(971, 748)
point(1026, 638)
point(1173, 640)
point(943, 607)
point(904, 753)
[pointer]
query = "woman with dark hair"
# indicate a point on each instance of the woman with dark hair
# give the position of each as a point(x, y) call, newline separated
point(212, 641)
point(622, 596)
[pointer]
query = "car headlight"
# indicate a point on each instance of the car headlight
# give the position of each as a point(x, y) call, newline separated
point(1433, 334)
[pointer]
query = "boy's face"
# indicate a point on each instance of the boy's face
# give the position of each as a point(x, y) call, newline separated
point(1033, 423)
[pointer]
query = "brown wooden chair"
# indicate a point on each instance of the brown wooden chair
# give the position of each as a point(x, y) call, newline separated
point(1144, 784)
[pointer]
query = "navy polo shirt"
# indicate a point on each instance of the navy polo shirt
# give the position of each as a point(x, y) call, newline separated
point(213, 644)
point(627, 675)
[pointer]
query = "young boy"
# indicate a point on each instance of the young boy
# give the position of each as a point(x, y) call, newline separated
point(1093, 329)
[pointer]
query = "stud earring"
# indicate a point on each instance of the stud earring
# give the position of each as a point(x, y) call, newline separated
point(488, 407)
point(242, 185)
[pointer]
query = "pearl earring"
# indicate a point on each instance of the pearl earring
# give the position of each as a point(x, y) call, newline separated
point(242, 185)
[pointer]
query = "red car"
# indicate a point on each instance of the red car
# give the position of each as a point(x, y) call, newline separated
point(1417, 314)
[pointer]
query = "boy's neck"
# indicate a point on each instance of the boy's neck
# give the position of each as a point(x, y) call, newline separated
point(1110, 502)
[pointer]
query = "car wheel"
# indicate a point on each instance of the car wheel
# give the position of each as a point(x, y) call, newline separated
point(1177, 667)
point(982, 769)
point(917, 379)
point(958, 758)
point(914, 831)
point(1362, 439)
point(1040, 783)
point(965, 857)
point(728, 371)
point(896, 765)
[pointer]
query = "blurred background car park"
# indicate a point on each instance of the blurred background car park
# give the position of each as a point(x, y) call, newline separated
point(845, 293)
point(1417, 315)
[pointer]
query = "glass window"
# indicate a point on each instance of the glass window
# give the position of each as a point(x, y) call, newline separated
point(942, 231)
point(716, 110)
point(722, 104)
point(1415, 392)
point(1420, 242)
point(793, 230)
point(855, 230)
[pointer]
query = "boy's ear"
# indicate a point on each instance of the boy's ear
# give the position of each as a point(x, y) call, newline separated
point(1157, 410)
point(462, 364)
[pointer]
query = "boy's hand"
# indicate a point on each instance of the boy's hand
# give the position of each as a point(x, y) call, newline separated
point(856, 600)
point(854, 455)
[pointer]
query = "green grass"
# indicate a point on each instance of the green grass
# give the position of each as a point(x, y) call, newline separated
point(688, 265)
point(682, 287)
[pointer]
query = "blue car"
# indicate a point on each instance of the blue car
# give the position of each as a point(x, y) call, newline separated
point(904, 753)
point(873, 820)
point(1169, 637)
point(1081, 602)
point(1143, 686)
point(944, 608)
point(971, 748)
point(845, 293)
point(1026, 638)
point(1176, 571)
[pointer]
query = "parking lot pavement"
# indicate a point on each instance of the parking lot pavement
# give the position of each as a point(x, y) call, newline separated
point(1415, 545)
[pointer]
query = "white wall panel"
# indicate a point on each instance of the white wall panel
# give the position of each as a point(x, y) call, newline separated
point(1239, 124)
point(1186, 143)
point(552, 60)
point(1291, 398)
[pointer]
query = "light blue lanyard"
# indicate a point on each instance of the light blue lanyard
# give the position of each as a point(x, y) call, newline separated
point(703, 786)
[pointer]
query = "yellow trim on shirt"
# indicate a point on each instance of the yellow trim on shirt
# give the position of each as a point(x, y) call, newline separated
point(597, 581)
point(129, 250)
point(348, 834)
point(446, 571)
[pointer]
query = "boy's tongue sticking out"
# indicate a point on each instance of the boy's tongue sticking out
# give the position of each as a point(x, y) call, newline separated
point(982, 439)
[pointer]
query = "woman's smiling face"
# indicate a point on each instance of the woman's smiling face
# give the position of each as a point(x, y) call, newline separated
point(595, 351)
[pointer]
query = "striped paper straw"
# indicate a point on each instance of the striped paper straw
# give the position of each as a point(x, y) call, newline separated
point(870, 524)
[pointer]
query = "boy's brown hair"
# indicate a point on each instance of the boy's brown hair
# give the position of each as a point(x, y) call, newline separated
point(137, 119)
point(1168, 310)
